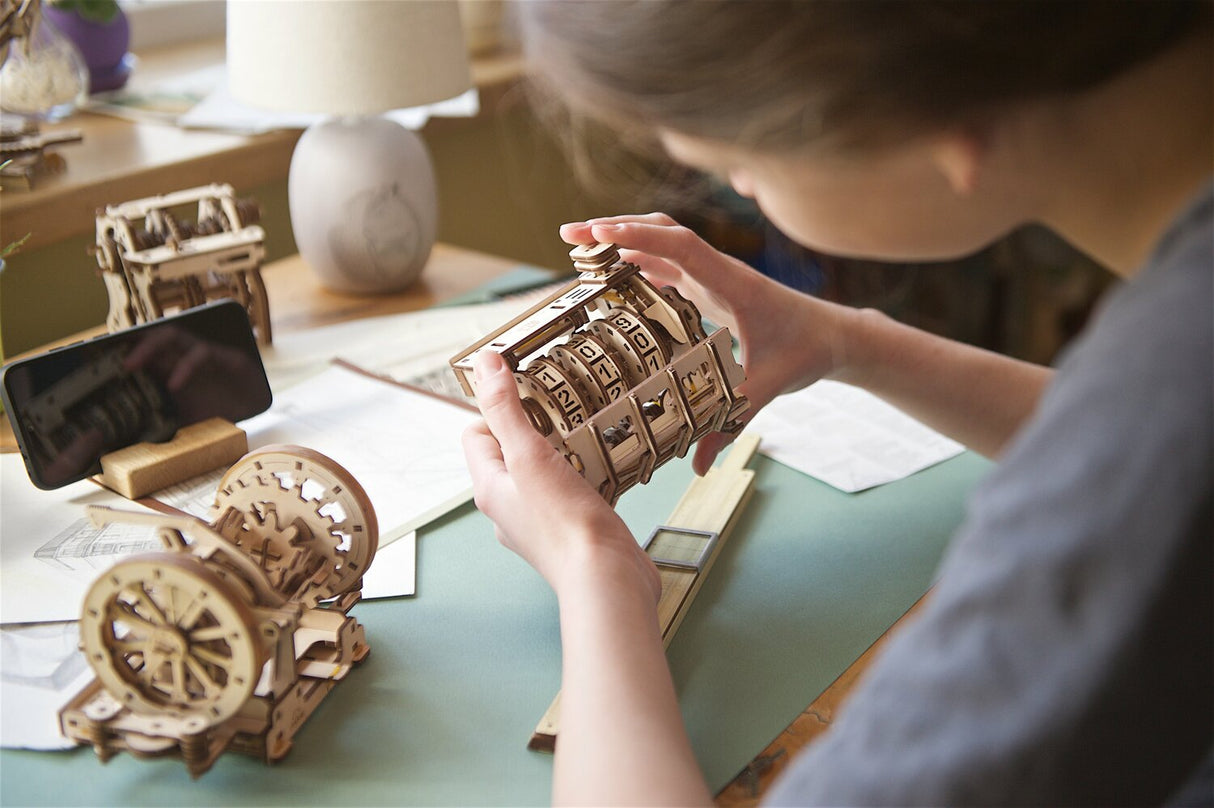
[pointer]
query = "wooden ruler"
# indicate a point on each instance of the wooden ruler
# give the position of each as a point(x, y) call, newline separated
point(684, 550)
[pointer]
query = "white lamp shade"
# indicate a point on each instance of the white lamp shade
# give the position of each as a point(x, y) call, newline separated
point(345, 57)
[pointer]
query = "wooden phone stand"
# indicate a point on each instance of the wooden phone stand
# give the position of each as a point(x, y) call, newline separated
point(138, 470)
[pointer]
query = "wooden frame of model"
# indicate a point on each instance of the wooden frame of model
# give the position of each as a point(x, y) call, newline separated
point(154, 263)
point(233, 635)
point(24, 156)
point(618, 375)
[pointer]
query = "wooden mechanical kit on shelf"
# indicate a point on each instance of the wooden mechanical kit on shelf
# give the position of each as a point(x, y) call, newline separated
point(232, 635)
point(618, 375)
point(154, 262)
point(24, 155)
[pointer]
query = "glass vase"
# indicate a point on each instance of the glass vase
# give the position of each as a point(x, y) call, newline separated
point(44, 77)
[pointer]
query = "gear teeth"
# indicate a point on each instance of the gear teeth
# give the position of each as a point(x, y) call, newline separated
point(270, 496)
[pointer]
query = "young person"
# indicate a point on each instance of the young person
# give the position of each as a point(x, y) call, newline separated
point(1065, 655)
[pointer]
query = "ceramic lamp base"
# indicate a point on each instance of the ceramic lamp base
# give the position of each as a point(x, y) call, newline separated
point(364, 206)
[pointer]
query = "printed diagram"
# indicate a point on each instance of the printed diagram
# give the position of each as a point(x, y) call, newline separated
point(83, 547)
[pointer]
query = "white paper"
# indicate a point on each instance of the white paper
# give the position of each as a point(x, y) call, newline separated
point(161, 100)
point(402, 446)
point(404, 346)
point(393, 571)
point(219, 110)
point(41, 668)
point(847, 437)
point(195, 496)
point(50, 553)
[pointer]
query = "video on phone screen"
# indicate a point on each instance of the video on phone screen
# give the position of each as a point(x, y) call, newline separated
point(70, 407)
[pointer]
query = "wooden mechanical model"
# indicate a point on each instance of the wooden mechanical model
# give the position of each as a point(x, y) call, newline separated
point(618, 375)
point(154, 262)
point(230, 637)
point(24, 155)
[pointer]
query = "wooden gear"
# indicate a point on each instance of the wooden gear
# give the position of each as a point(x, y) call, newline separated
point(618, 375)
point(222, 640)
point(154, 263)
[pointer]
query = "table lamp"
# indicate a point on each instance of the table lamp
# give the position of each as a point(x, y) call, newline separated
point(361, 189)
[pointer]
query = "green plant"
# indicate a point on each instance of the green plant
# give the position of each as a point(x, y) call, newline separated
point(12, 247)
point(99, 11)
point(9, 249)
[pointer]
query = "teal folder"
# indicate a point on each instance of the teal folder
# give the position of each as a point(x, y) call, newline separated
point(441, 711)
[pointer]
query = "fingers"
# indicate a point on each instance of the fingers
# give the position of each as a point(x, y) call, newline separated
point(672, 242)
point(579, 232)
point(497, 398)
point(707, 450)
point(485, 464)
point(660, 272)
point(662, 247)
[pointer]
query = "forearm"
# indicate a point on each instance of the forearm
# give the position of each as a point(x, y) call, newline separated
point(976, 397)
point(622, 739)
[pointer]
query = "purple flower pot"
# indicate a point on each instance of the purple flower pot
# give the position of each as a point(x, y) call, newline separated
point(103, 45)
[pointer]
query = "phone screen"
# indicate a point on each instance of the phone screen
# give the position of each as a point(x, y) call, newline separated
point(71, 405)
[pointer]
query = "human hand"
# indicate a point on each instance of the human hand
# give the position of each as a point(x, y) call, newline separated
point(788, 339)
point(541, 508)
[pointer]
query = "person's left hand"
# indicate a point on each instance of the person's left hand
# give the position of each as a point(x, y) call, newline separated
point(542, 509)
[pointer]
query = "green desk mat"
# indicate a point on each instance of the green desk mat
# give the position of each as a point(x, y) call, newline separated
point(522, 278)
point(458, 676)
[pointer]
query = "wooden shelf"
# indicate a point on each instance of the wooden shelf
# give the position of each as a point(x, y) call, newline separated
point(120, 159)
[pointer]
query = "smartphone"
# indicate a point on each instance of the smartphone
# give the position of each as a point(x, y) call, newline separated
point(71, 405)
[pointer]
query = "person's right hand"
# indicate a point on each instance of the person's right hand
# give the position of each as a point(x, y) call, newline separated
point(788, 339)
point(541, 508)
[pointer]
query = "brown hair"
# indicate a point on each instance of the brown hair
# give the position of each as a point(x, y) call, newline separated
point(845, 74)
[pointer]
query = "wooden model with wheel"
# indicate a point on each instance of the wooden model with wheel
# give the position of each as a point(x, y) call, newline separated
point(618, 375)
point(232, 636)
point(155, 262)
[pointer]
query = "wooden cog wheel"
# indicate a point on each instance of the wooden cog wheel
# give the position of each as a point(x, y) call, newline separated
point(164, 634)
point(308, 522)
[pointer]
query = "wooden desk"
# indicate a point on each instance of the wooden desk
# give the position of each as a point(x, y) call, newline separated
point(297, 301)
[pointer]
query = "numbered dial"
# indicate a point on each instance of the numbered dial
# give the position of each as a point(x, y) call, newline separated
point(635, 342)
point(553, 389)
point(589, 361)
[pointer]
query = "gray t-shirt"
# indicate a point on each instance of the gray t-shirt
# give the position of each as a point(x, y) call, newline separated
point(1066, 655)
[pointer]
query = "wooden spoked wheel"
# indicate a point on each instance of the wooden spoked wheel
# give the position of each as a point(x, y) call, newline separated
point(165, 635)
point(308, 522)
